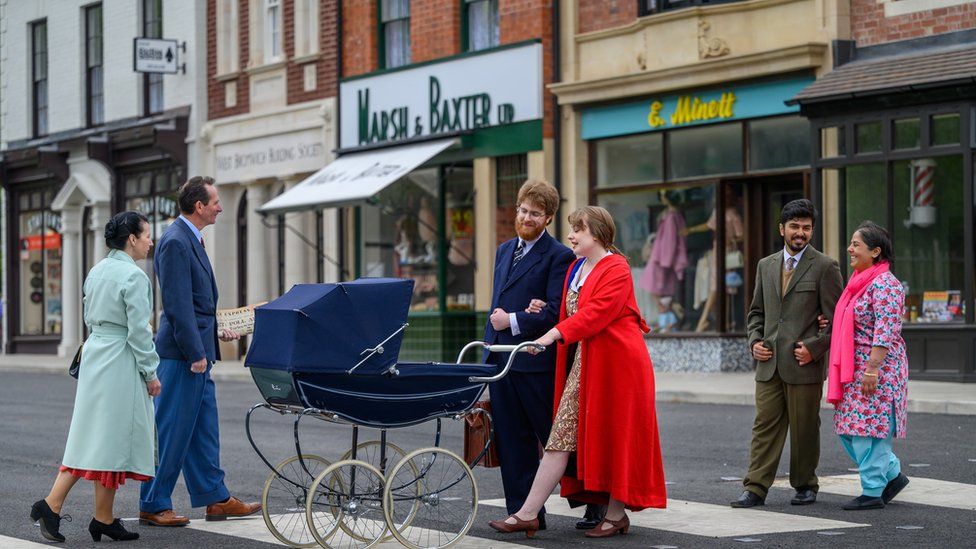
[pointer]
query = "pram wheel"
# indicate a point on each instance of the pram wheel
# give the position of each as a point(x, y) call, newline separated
point(344, 510)
point(283, 499)
point(432, 496)
point(370, 453)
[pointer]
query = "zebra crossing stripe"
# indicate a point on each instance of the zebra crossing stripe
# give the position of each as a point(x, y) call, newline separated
point(14, 543)
point(924, 491)
point(708, 520)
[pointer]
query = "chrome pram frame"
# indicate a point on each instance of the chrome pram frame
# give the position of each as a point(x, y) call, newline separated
point(340, 502)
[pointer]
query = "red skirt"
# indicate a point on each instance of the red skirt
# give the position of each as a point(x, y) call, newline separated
point(109, 479)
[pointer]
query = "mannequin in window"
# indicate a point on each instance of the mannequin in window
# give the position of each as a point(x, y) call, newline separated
point(706, 273)
point(667, 261)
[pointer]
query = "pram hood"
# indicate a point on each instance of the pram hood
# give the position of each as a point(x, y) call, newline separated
point(326, 327)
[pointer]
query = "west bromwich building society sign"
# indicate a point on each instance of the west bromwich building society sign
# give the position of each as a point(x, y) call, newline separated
point(467, 92)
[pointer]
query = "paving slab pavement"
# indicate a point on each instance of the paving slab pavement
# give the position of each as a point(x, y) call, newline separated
point(932, 397)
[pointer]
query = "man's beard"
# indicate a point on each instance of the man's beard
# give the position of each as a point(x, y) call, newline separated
point(793, 246)
point(529, 234)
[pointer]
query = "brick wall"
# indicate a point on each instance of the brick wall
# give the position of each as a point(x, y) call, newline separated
point(359, 38)
point(325, 65)
point(597, 15)
point(521, 20)
point(215, 88)
point(435, 29)
point(869, 25)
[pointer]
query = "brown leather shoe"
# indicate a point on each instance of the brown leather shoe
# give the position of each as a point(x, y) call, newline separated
point(233, 507)
point(530, 527)
point(163, 518)
point(622, 526)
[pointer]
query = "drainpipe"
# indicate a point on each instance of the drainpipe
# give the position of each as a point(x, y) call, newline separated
point(557, 154)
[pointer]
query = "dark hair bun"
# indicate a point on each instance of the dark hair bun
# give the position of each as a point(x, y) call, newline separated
point(111, 229)
point(121, 226)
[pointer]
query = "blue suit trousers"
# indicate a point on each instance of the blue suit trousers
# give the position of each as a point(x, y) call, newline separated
point(189, 439)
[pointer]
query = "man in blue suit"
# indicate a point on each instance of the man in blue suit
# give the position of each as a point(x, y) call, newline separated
point(531, 266)
point(186, 416)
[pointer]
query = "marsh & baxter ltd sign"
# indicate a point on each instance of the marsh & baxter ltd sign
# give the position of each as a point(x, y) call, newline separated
point(270, 156)
point(467, 92)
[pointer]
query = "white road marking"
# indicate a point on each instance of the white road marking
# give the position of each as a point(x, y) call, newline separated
point(14, 543)
point(926, 491)
point(705, 519)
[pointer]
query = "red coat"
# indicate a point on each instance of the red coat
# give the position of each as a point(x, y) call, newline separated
point(618, 451)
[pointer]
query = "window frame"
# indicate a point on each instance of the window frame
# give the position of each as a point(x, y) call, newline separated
point(37, 82)
point(306, 26)
point(274, 49)
point(152, 28)
point(381, 41)
point(652, 7)
point(228, 39)
point(91, 69)
point(494, 28)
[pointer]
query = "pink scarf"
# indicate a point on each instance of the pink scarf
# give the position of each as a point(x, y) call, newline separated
point(842, 333)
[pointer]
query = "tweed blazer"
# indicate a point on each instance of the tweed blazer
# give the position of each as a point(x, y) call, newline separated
point(783, 319)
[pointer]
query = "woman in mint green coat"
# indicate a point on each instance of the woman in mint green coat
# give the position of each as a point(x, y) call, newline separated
point(112, 436)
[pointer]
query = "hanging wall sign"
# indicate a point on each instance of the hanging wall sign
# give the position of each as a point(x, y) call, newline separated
point(467, 92)
point(156, 55)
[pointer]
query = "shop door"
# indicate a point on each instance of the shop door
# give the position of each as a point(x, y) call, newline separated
point(766, 198)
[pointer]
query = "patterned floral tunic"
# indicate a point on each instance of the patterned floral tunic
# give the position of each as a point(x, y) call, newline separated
point(877, 322)
point(566, 424)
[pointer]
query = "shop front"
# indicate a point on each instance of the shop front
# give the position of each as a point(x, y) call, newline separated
point(898, 150)
point(427, 160)
point(695, 180)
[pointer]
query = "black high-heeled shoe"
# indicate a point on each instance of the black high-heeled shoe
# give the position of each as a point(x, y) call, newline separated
point(116, 531)
point(49, 521)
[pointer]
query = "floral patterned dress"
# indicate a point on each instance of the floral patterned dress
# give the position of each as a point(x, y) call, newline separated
point(877, 323)
point(566, 423)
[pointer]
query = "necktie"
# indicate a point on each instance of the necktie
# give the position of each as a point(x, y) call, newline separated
point(790, 263)
point(202, 244)
point(519, 250)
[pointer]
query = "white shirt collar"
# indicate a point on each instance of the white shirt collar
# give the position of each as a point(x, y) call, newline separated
point(527, 244)
point(196, 231)
point(786, 255)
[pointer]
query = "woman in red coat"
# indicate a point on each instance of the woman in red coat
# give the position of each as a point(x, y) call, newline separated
point(604, 398)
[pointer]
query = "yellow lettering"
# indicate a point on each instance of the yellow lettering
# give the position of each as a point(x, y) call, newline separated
point(713, 109)
point(701, 110)
point(654, 119)
point(682, 113)
point(728, 99)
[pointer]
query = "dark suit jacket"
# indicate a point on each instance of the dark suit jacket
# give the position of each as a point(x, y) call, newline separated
point(188, 327)
point(539, 275)
point(781, 320)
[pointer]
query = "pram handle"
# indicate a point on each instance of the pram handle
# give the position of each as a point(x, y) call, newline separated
point(513, 349)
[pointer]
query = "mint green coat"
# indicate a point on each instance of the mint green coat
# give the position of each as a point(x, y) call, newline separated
point(113, 427)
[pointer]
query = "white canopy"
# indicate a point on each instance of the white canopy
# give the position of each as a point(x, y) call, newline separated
point(354, 177)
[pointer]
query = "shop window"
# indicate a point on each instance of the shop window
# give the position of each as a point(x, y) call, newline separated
point(669, 237)
point(227, 46)
point(907, 133)
point(510, 173)
point(628, 160)
point(832, 142)
point(460, 237)
point(94, 75)
point(865, 198)
point(706, 150)
point(481, 17)
point(928, 226)
point(945, 129)
point(395, 22)
point(867, 136)
point(776, 143)
point(39, 285)
point(39, 73)
point(152, 27)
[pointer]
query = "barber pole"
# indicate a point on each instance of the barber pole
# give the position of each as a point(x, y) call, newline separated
point(922, 209)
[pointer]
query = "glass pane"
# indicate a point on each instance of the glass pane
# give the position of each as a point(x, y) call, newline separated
point(928, 226)
point(779, 143)
point(945, 129)
point(459, 193)
point(633, 159)
point(832, 142)
point(865, 198)
point(708, 150)
point(399, 235)
point(868, 137)
point(155, 82)
point(397, 41)
point(482, 24)
point(40, 272)
point(138, 184)
point(666, 262)
point(907, 133)
point(391, 10)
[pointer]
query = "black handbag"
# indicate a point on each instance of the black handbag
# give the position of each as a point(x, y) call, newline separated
point(76, 362)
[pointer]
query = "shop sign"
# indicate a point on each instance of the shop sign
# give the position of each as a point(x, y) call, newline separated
point(693, 108)
point(468, 92)
point(155, 55)
point(272, 156)
point(40, 242)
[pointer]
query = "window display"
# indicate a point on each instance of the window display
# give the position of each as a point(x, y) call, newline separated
point(40, 266)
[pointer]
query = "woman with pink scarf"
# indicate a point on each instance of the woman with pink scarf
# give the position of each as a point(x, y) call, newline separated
point(868, 379)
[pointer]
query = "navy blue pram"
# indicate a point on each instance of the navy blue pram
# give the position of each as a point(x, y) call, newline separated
point(330, 351)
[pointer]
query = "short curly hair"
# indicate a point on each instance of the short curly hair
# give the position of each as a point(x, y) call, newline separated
point(540, 193)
